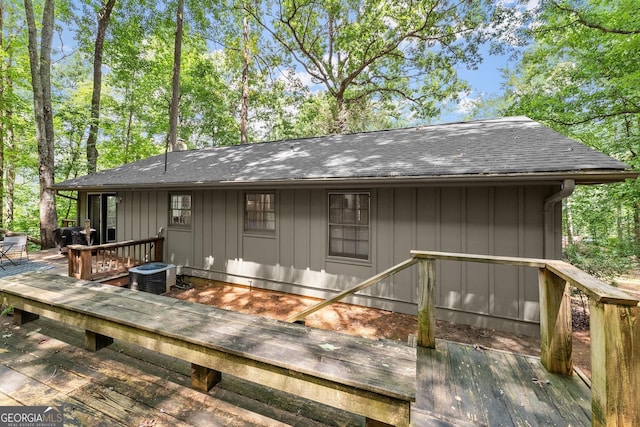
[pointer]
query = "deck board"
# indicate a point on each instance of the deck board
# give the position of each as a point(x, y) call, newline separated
point(124, 388)
point(495, 388)
point(43, 362)
point(318, 353)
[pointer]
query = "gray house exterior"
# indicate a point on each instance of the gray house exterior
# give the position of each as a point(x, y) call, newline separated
point(316, 216)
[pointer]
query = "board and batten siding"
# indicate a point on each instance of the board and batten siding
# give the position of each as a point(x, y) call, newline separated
point(500, 220)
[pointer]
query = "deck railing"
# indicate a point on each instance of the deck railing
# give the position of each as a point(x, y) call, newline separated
point(111, 259)
point(614, 323)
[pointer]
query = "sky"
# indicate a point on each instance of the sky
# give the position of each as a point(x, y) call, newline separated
point(485, 81)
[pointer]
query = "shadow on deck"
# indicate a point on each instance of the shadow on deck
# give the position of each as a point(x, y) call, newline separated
point(44, 363)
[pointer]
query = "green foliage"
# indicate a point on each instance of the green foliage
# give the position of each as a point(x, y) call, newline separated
point(7, 311)
point(580, 76)
point(605, 261)
point(377, 54)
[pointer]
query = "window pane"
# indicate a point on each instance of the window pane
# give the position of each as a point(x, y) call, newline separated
point(180, 212)
point(349, 225)
point(335, 215)
point(259, 212)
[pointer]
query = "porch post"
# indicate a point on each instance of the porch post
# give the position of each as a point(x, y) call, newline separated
point(555, 323)
point(615, 364)
point(426, 303)
point(159, 250)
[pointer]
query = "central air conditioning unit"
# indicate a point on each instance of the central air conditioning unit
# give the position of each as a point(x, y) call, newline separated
point(155, 277)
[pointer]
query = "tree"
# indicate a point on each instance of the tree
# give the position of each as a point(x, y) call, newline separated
point(244, 106)
point(104, 14)
point(40, 65)
point(174, 109)
point(581, 77)
point(366, 50)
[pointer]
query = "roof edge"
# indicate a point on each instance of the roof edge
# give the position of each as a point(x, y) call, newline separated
point(581, 178)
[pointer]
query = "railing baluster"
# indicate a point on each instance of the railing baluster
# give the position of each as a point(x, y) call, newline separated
point(92, 262)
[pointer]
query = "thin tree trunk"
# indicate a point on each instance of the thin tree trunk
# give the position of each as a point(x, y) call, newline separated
point(8, 160)
point(103, 22)
point(127, 139)
point(9, 155)
point(569, 211)
point(244, 107)
point(3, 115)
point(41, 82)
point(636, 226)
point(175, 84)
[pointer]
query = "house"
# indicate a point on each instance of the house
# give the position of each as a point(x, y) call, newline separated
point(316, 216)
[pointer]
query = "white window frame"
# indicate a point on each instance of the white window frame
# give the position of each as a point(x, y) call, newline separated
point(180, 210)
point(349, 227)
point(259, 214)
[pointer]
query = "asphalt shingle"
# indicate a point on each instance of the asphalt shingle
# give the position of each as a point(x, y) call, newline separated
point(513, 145)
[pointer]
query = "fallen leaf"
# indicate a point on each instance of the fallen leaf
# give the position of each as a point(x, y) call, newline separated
point(328, 347)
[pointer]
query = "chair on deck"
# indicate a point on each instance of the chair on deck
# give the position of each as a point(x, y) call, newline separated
point(12, 247)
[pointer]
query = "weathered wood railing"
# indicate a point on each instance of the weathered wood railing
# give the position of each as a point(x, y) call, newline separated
point(100, 261)
point(615, 327)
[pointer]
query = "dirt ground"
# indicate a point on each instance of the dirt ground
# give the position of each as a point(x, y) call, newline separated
point(377, 324)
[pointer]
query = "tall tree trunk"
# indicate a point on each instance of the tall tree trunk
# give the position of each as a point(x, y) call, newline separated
point(8, 153)
point(636, 226)
point(340, 118)
point(4, 122)
point(8, 158)
point(103, 22)
point(175, 84)
point(569, 212)
point(244, 107)
point(41, 83)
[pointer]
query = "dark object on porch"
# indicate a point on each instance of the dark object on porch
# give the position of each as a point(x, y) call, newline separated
point(66, 236)
point(155, 277)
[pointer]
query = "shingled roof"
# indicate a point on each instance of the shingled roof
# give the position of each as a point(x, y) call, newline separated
point(515, 148)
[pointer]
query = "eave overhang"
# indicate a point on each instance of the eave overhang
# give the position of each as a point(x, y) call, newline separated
point(464, 180)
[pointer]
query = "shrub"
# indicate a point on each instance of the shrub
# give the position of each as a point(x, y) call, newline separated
point(606, 261)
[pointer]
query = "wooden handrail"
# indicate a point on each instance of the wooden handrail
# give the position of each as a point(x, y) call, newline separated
point(615, 326)
point(110, 259)
point(367, 283)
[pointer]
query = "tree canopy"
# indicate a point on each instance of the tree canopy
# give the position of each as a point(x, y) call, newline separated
point(581, 76)
point(252, 71)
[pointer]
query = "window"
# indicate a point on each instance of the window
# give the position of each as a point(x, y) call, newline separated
point(260, 212)
point(349, 225)
point(180, 210)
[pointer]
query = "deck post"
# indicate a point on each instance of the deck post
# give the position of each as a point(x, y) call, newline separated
point(203, 378)
point(94, 341)
point(555, 323)
point(21, 317)
point(426, 303)
point(615, 364)
point(79, 262)
point(159, 250)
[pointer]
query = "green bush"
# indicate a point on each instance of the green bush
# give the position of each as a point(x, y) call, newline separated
point(603, 260)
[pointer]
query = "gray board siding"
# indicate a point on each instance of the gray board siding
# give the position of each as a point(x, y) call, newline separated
point(497, 220)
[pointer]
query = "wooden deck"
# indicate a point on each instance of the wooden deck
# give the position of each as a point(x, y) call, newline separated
point(44, 363)
point(465, 385)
